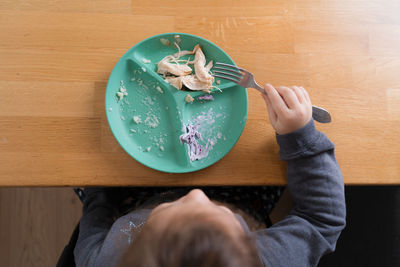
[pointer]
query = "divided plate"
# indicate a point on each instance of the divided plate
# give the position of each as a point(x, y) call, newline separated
point(155, 141)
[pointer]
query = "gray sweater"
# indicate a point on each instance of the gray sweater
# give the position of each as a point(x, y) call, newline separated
point(309, 231)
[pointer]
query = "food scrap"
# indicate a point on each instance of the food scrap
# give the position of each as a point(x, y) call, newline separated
point(179, 75)
point(170, 65)
point(178, 39)
point(159, 89)
point(122, 91)
point(146, 61)
point(189, 98)
point(165, 41)
point(152, 121)
point(206, 97)
point(137, 119)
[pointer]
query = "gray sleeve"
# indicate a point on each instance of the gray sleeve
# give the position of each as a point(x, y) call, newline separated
point(315, 182)
point(98, 215)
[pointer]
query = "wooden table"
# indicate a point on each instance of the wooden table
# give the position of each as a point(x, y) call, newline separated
point(56, 56)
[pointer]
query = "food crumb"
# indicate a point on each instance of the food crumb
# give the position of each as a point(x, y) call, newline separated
point(162, 148)
point(122, 91)
point(110, 109)
point(218, 82)
point(133, 79)
point(120, 95)
point(177, 38)
point(159, 89)
point(189, 98)
point(143, 69)
point(165, 41)
point(148, 149)
point(137, 119)
point(146, 61)
point(133, 130)
point(151, 120)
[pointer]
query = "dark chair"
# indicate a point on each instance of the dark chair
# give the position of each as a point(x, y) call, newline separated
point(67, 256)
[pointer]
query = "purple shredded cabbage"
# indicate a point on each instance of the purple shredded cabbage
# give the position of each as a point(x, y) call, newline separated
point(206, 97)
point(191, 137)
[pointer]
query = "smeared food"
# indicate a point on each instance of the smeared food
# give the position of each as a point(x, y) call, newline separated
point(193, 135)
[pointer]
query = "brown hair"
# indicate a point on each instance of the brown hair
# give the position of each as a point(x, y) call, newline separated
point(193, 241)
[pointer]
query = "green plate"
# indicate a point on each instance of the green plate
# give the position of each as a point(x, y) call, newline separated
point(155, 141)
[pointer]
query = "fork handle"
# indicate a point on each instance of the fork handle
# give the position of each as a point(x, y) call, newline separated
point(319, 114)
point(259, 88)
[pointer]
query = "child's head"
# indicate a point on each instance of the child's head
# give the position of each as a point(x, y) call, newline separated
point(192, 231)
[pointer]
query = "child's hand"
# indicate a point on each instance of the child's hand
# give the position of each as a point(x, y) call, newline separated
point(289, 109)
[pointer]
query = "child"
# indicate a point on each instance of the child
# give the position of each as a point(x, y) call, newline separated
point(195, 231)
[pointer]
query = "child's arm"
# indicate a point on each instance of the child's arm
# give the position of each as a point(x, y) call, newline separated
point(314, 180)
point(98, 215)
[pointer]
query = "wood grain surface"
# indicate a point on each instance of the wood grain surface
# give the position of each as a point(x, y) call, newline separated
point(56, 56)
point(36, 224)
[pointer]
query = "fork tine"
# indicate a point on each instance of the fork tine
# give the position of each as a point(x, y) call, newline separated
point(228, 69)
point(229, 65)
point(228, 74)
point(226, 78)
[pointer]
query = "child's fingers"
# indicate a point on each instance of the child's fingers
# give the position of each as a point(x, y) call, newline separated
point(271, 113)
point(288, 96)
point(305, 93)
point(276, 101)
point(299, 93)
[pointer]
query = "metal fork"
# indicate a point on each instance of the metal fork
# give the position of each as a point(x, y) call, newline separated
point(246, 79)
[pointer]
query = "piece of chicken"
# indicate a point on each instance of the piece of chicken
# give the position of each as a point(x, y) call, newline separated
point(166, 67)
point(202, 80)
point(175, 82)
point(192, 82)
point(200, 68)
